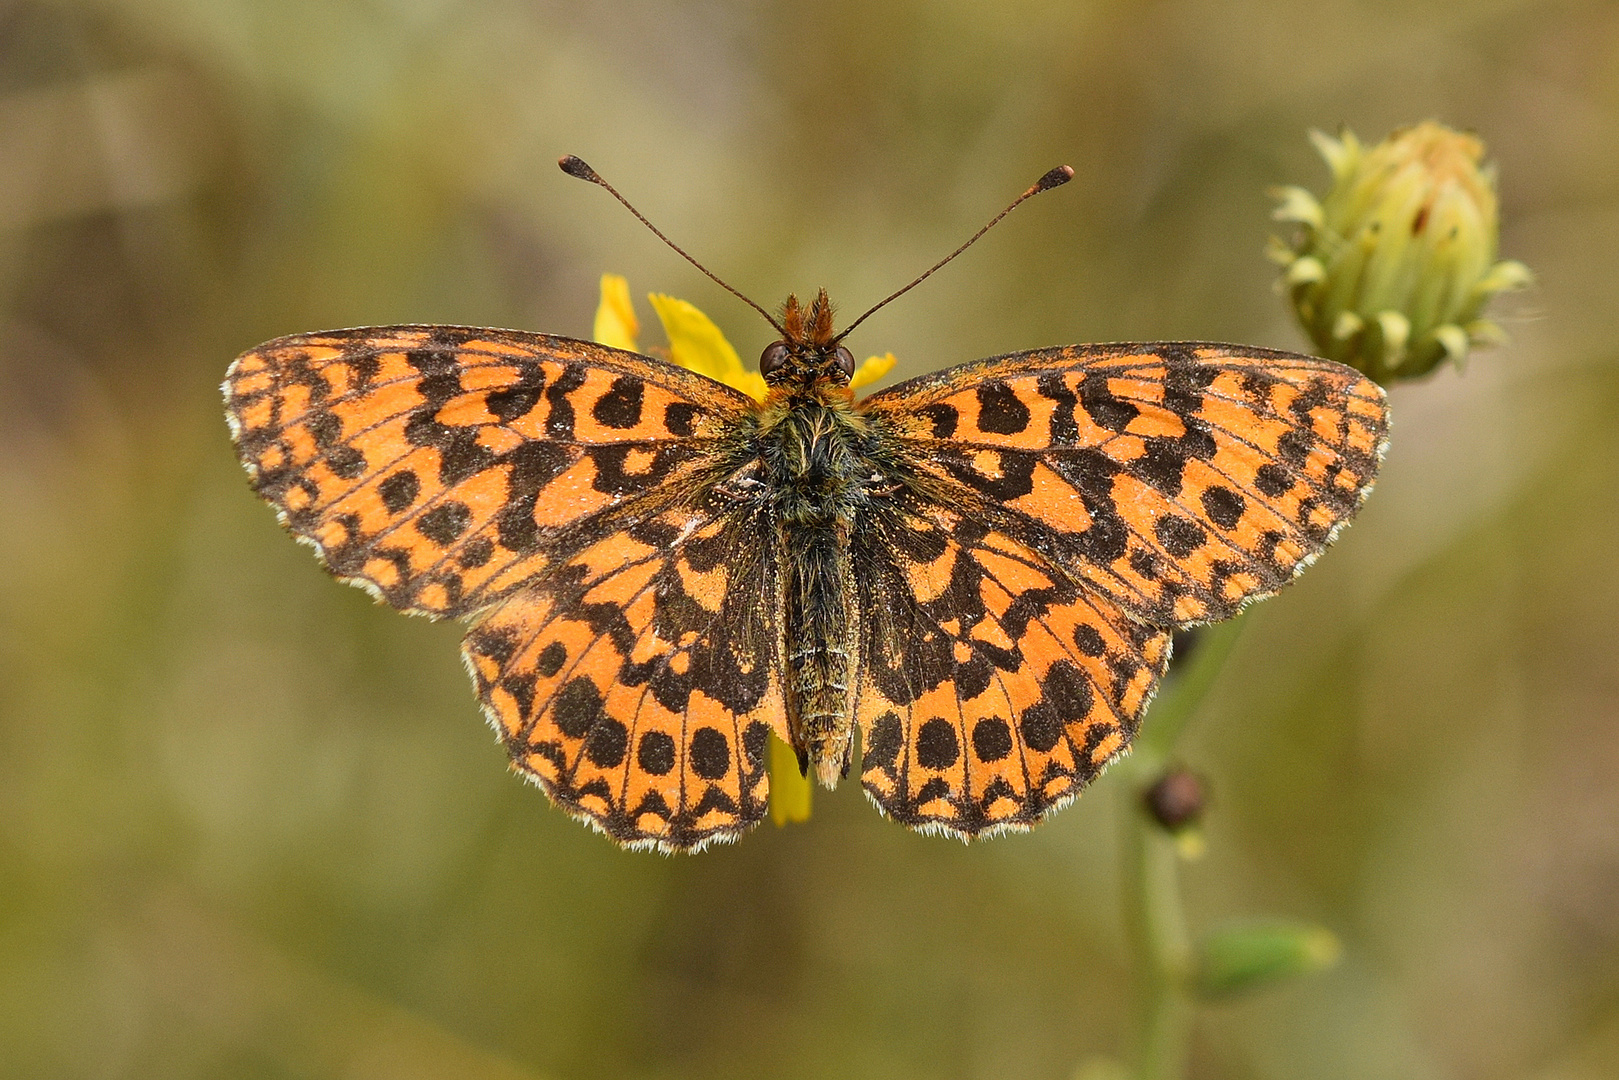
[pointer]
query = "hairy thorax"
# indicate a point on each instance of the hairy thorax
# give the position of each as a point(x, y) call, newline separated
point(814, 445)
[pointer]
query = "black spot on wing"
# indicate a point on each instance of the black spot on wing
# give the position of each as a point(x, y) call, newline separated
point(1105, 410)
point(498, 644)
point(999, 410)
point(607, 743)
point(620, 407)
point(400, 490)
point(1223, 506)
point(992, 739)
point(936, 744)
point(551, 659)
point(519, 399)
point(476, 552)
point(445, 523)
point(1064, 428)
point(1273, 480)
point(710, 753)
point(944, 419)
point(560, 416)
point(679, 417)
point(1161, 465)
point(346, 462)
point(886, 740)
point(1089, 640)
point(656, 754)
point(577, 707)
point(1040, 726)
point(1295, 445)
point(1180, 536)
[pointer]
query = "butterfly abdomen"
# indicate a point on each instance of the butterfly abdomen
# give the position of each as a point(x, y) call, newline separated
point(818, 475)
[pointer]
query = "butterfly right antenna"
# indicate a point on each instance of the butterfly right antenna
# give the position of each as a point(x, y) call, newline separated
point(1055, 178)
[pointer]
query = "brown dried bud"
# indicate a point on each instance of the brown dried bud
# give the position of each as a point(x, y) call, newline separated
point(1176, 801)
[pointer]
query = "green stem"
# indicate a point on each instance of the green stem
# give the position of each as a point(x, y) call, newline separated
point(1154, 913)
point(1162, 947)
point(1182, 694)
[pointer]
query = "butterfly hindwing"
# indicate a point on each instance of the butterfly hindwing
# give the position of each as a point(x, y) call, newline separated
point(1180, 479)
point(435, 465)
point(637, 682)
point(992, 686)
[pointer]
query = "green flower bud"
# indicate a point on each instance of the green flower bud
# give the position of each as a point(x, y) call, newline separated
point(1391, 271)
point(1259, 954)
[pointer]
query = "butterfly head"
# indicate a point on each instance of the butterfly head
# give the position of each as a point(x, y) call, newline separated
point(808, 351)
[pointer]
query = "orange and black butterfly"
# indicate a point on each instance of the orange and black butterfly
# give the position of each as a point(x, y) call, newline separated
point(978, 569)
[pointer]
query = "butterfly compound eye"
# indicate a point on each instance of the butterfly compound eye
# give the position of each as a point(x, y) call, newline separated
point(845, 360)
point(774, 356)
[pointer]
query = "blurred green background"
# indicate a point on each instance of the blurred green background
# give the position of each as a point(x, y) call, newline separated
point(252, 825)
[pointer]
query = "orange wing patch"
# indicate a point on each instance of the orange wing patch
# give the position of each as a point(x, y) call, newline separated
point(992, 687)
point(1182, 479)
point(438, 466)
point(637, 682)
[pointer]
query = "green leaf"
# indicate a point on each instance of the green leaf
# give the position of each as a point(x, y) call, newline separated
point(1254, 955)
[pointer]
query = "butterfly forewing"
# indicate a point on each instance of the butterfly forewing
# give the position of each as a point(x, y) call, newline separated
point(1178, 479)
point(444, 466)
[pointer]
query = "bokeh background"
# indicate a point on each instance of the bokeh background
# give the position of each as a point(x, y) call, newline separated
point(252, 825)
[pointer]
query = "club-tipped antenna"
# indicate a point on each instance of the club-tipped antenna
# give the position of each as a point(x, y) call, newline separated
point(1055, 178)
point(576, 167)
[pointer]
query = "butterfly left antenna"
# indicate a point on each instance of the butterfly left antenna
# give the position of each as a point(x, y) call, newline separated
point(576, 167)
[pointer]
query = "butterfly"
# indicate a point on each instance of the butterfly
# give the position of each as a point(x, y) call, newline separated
point(978, 570)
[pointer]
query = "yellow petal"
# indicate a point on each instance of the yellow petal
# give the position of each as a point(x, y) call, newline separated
point(616, 324)
point(874, 368)
point(789, 789)
point(697, 344)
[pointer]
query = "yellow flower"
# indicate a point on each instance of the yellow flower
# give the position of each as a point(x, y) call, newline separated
point(697, 344)
point(1390, 272)
point(871, 369)
point(616, 324)
point(790, 790)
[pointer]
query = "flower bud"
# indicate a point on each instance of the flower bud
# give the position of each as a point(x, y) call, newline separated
point(1176, 800)
point(1248, 957)
point(1390, 272)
